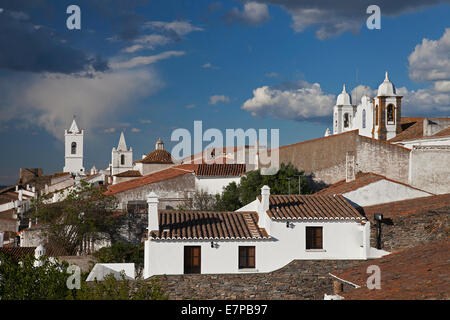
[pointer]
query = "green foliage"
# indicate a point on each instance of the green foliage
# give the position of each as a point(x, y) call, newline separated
point(113, 289)
point(84, 216)
point(24, 281)
point(121, 252)
point(236, 196)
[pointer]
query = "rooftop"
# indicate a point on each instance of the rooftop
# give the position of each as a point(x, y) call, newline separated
point(220, 170)
point(209, 225)
point(160, 156)
point(415, 273)
point(326, 207)
point(361, 180)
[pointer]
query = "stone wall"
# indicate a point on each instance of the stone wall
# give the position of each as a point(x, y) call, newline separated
point(430, 168)
point(298, 280)
point(413, 230)
point(325, 158)
point(171, 192)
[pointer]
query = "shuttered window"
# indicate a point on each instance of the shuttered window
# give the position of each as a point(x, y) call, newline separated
point(314, 238)
point(246, 257)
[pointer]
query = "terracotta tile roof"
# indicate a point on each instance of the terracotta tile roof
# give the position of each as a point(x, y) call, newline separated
point(129, 173)
point(223, 170)
point(415, 273)
point(361, 180)
point(157, 156)
point(158, 176)
point(311, 207)
point(20, 252)
point(208, 225)
point(60, 174)
point(413, 129)
point(407, 207)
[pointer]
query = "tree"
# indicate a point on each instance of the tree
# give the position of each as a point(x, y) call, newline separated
point(84, 218)
point(22, 280)
point(235, 196)
point(201, 200)
point(121, 252)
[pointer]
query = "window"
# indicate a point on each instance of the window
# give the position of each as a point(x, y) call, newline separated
point(364, 118)
point(376, 115)
point(390, 113)
point(122, 159)
point(74, 148)
point(346, 120)
point(192, 259)
point(314, 238)
point(246, 257)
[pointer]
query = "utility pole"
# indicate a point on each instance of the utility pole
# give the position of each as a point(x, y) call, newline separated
point(299, 183)
point(289, 184)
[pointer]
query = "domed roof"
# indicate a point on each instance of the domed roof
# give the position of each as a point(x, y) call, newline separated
point(387, 88)
point(159, 155)
point(343, 98)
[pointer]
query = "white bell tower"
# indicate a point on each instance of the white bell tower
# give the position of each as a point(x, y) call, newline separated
point(121, 157)
point(74, 149)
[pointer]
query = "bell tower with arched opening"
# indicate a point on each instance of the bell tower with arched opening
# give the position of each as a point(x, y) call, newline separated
point(74, 149)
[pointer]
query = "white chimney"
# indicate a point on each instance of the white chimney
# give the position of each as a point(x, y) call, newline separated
point(263, 207)
point(152, 200)
point(20, 195)
point(1, 239)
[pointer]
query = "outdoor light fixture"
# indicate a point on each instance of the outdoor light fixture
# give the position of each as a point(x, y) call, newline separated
point(288, 224)
point(212, 244)
point(378, 217)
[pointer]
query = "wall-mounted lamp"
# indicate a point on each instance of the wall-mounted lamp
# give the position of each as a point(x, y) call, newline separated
point(212, 244)
point(288, 224)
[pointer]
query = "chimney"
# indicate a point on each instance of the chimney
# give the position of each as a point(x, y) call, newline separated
point(263, 207)
point(152, 200)
point(349, 166)
point(20, 195)
point(1, 239)
point(265, 195)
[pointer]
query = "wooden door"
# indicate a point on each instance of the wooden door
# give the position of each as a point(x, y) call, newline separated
point(192, 259)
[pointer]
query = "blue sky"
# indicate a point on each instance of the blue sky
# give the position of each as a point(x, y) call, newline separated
point(203, 60)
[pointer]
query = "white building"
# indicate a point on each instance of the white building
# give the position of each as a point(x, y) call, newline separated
point(121, 157)
point(74, 149)
point(375, 117)
point(263, 236)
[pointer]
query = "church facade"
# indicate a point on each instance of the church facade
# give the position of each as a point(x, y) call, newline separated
point(375, 117)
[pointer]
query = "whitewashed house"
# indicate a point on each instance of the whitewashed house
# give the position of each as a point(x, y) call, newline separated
point(263, 236)
point(213, 178)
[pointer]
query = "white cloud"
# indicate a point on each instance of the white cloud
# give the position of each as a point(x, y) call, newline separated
point(150, 41)
point(175, 28)
point(145, 60)
point(145, 121)
point(209, 65)
point(190, 106)
point(49, 101)
point(297, 101)
point(272, 75)
point(135, 130)
point(253, 14)
point(424, 102)
point(109, 130)
point(215, 99)
point(430, 60)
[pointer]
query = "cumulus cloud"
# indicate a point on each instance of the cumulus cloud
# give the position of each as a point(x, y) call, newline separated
point(430, 60)
point(295, 101)
point(253, 14)
point(336, 17)
point(145, 60)
point(50, 100)
point(215, 99)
